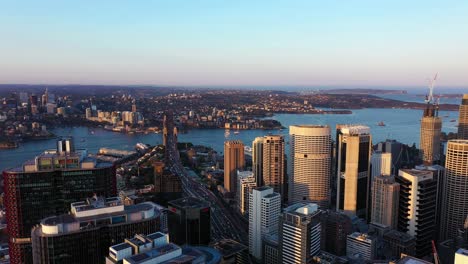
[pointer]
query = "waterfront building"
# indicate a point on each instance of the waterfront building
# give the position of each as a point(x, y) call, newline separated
point(337, 226)
point(354, 144)
point(310, 161)
point(384, 202)
point(361, 246)
point(234, 160)
point(455, 190)
point(189, 221)
point(300, 233)
point(264, 211)
point(463, 118)
point(381, 164)
point(46, 186)
point(274, 174)
point(86, 233)
point(431, 127)
point(417, 207)
point(257, 160)
point(246, 183)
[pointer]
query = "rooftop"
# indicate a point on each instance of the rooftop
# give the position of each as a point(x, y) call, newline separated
point(462, 251)
point(411, 260)
point(189, 202)
point(229, 247)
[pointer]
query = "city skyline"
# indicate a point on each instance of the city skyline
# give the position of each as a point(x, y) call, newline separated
point(235, 44)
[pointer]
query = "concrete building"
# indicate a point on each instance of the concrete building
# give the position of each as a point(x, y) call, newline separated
point(385, 201)
point(300, 233)
point(87, 232)
point(234, 160)
point(257, 160)
point(461, 256)
point(455, 190)
point(396, 149)
point(381, 164)
point(429, 144)
point(418, 191)
point(361, 246)
point(189, 221)
point(46, 186)
point(310, 164)
point(337, 226)
point(397, 243)
point(463, 118)
point(232, 252)
point(245, 186)
point(273, 164)
point(264, 212)
point(354, 144)
point(271, 249)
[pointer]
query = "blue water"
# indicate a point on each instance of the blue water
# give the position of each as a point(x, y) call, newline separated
point(401, 124)
point(419, 98)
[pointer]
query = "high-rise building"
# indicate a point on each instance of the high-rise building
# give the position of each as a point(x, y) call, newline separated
point(461, 256)
point(47, 186)
point(397, 243)
point(264, 212)
point(455, 190)
point(257, 160)
point(418, 191)
point(361, 247)
point(429, 144)
point(310, 164)
point(396, 149)
point(300, 233)
point(463, 118)
point(273, 164)
point(246, 183)
point(337, 226)
point(234, 160)
point(84, 235)
point(189, 221)
point(354, 144)
point(384, 204)
point(271, 249)
point(232, 251)
point(381, 164)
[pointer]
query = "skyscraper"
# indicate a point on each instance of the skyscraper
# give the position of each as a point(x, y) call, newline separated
point(264, 211)
point(354, 144)
point(417, 207)
point(234, 160)
point(47, 186)
point(385, 197)
point(463, 118)
point(429, 144)
point(300, 233)
point(455, 189)
point(273, 164)
point(337, 226)
point(310, 164)
point(381, 164)
point(84, 235)
point(245, 186)
point(257, 160)
point(189, 221)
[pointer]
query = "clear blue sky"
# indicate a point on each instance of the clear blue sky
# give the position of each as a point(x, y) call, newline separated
point(201, 42)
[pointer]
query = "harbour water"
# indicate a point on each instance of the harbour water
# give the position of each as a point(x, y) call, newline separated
point(400, 124)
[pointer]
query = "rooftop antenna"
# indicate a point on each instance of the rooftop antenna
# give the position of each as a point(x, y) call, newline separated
point(430, 96)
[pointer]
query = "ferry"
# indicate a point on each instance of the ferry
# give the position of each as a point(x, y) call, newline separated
point(453, 120)
point(236, 132)
point(381, 123)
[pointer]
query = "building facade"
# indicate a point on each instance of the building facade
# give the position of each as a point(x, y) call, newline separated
point(429, 144)
point(361, 246)
point(234, 160)
point(381, 164)
point(257, 160)
point(245, 186)
point(274, 174)
point(463, 118)
point(310, 161)
point(385, 201)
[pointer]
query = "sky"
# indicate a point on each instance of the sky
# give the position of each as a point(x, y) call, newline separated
point(234, 43)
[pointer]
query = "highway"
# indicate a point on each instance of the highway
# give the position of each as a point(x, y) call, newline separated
point(224, 224)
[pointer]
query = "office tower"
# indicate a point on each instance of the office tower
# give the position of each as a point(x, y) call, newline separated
point(273, 164)
point(45, 97)
point(257, 160)
point(232, 251)
point(234, 160)
point(381, 164)
point(310, 164)
point(461, 256)
point(47, 186)
point(396, 149)
point(463, 118)
point(84, 235)
point(354, 144)
point(246, 183)
point(361, 246)
point(385, 197)
point(271, 249)
point(300, 233)
point(418, 191)
point(397, 243)
point(337, 226)
point(455, 194)
point(189, 221)
point(134, 107)
point(429, 144)
point(264, 211)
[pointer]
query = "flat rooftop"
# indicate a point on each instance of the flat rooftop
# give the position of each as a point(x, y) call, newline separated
point(411, 260)
point(229, 247)
point(189, 202)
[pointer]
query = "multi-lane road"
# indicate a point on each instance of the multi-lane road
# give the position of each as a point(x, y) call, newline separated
point(224, 223)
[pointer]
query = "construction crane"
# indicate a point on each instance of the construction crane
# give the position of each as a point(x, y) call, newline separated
point(430, 96)
point(434, 252)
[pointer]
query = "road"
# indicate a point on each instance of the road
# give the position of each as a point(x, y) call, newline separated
point(224, 223)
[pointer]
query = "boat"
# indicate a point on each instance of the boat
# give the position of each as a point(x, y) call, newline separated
point(453, 120)
point(236, 132)
point(381, 123)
